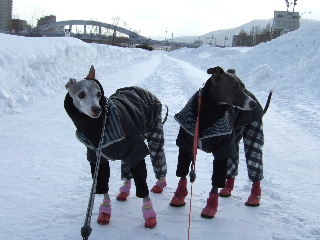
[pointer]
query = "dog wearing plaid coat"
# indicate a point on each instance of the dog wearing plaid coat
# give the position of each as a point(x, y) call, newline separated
point(228, 112)
point(128, 117)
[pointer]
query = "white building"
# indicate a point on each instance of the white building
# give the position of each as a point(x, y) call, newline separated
point(286, 21)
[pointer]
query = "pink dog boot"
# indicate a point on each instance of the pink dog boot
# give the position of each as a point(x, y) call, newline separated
point(104, 212)
point(180, 194)
point(226, 191)
point(160, 185)
point(255, 196)
point(212, 205)
point(149, 215)
point(124, 191)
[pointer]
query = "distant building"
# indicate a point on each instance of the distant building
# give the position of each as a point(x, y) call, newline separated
point(5, 15)
point(242, 40)
point(18, 25)
point(47, 20)
point(198, 42)
point(285, 21)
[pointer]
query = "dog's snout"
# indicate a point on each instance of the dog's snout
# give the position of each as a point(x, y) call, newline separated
point(96, 109)
point(252, 104)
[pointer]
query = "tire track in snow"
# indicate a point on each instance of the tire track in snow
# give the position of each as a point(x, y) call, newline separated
point(291, 157)
point(173, 83)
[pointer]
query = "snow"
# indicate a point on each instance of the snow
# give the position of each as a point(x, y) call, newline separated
point(45, 179)
point(220, 35)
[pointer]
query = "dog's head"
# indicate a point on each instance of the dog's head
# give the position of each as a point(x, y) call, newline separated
point(86, 94)
point(227, 88)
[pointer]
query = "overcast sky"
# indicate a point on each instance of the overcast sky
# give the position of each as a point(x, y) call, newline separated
point(154, 18)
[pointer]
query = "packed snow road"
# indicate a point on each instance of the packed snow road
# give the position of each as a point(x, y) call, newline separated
point(45, 178)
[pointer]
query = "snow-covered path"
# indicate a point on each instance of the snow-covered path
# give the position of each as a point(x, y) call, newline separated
point(45, 178)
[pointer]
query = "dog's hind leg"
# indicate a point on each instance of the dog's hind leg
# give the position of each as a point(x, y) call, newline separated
point(155, 139)
point(126, 176)
point(124, 191)
point(253, 140)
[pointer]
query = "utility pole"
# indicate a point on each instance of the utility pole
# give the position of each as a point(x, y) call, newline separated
point(225, 41)
point(288, 5)
point(294, 4)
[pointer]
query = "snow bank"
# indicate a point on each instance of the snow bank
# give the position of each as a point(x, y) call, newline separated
point(288, 64)
point(31, 68)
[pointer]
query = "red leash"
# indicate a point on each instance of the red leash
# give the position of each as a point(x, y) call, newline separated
point(193, 165)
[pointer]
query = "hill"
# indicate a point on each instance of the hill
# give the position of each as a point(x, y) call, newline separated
point(219, 35)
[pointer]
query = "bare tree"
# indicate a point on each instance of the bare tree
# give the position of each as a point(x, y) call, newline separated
point(267, 29)
point(242, 32)
point(287, 4)
point(115, 23)
point(35, 16)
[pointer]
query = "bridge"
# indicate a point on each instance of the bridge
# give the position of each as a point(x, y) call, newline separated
point(63, 28)
point(58, 28)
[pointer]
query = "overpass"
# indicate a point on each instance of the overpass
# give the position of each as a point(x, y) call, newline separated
point(57, 28)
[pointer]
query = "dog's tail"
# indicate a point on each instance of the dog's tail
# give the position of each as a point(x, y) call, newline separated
point(268, 102)
point(165, 118)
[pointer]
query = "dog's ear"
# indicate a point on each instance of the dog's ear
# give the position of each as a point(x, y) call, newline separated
point(91, 74)
point(216, 70)
point(233, 71)
point(71, 82)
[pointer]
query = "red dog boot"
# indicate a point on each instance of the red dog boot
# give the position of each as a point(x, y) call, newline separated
point(212, 205)
point(124, 191)
point(254, 198)
point(226, 191)
point(104, 212)
point(160, 185)
point(149, 215)
point(180, 194)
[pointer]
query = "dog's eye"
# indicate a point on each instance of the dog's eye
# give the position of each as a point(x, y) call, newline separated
point(82, 95)
point(99, 94)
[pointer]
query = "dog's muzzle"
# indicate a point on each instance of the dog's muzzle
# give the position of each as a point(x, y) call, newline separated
point(96, 110)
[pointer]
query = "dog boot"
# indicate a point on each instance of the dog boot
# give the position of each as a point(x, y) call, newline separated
point(149, 214)
point(254, 198)
point(104, 212)
point(180, 194)
point(212, 205)
point(124, 191)
point(159, 186)
point(226, 191)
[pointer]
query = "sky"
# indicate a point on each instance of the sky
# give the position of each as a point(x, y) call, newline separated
point(165, 17)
